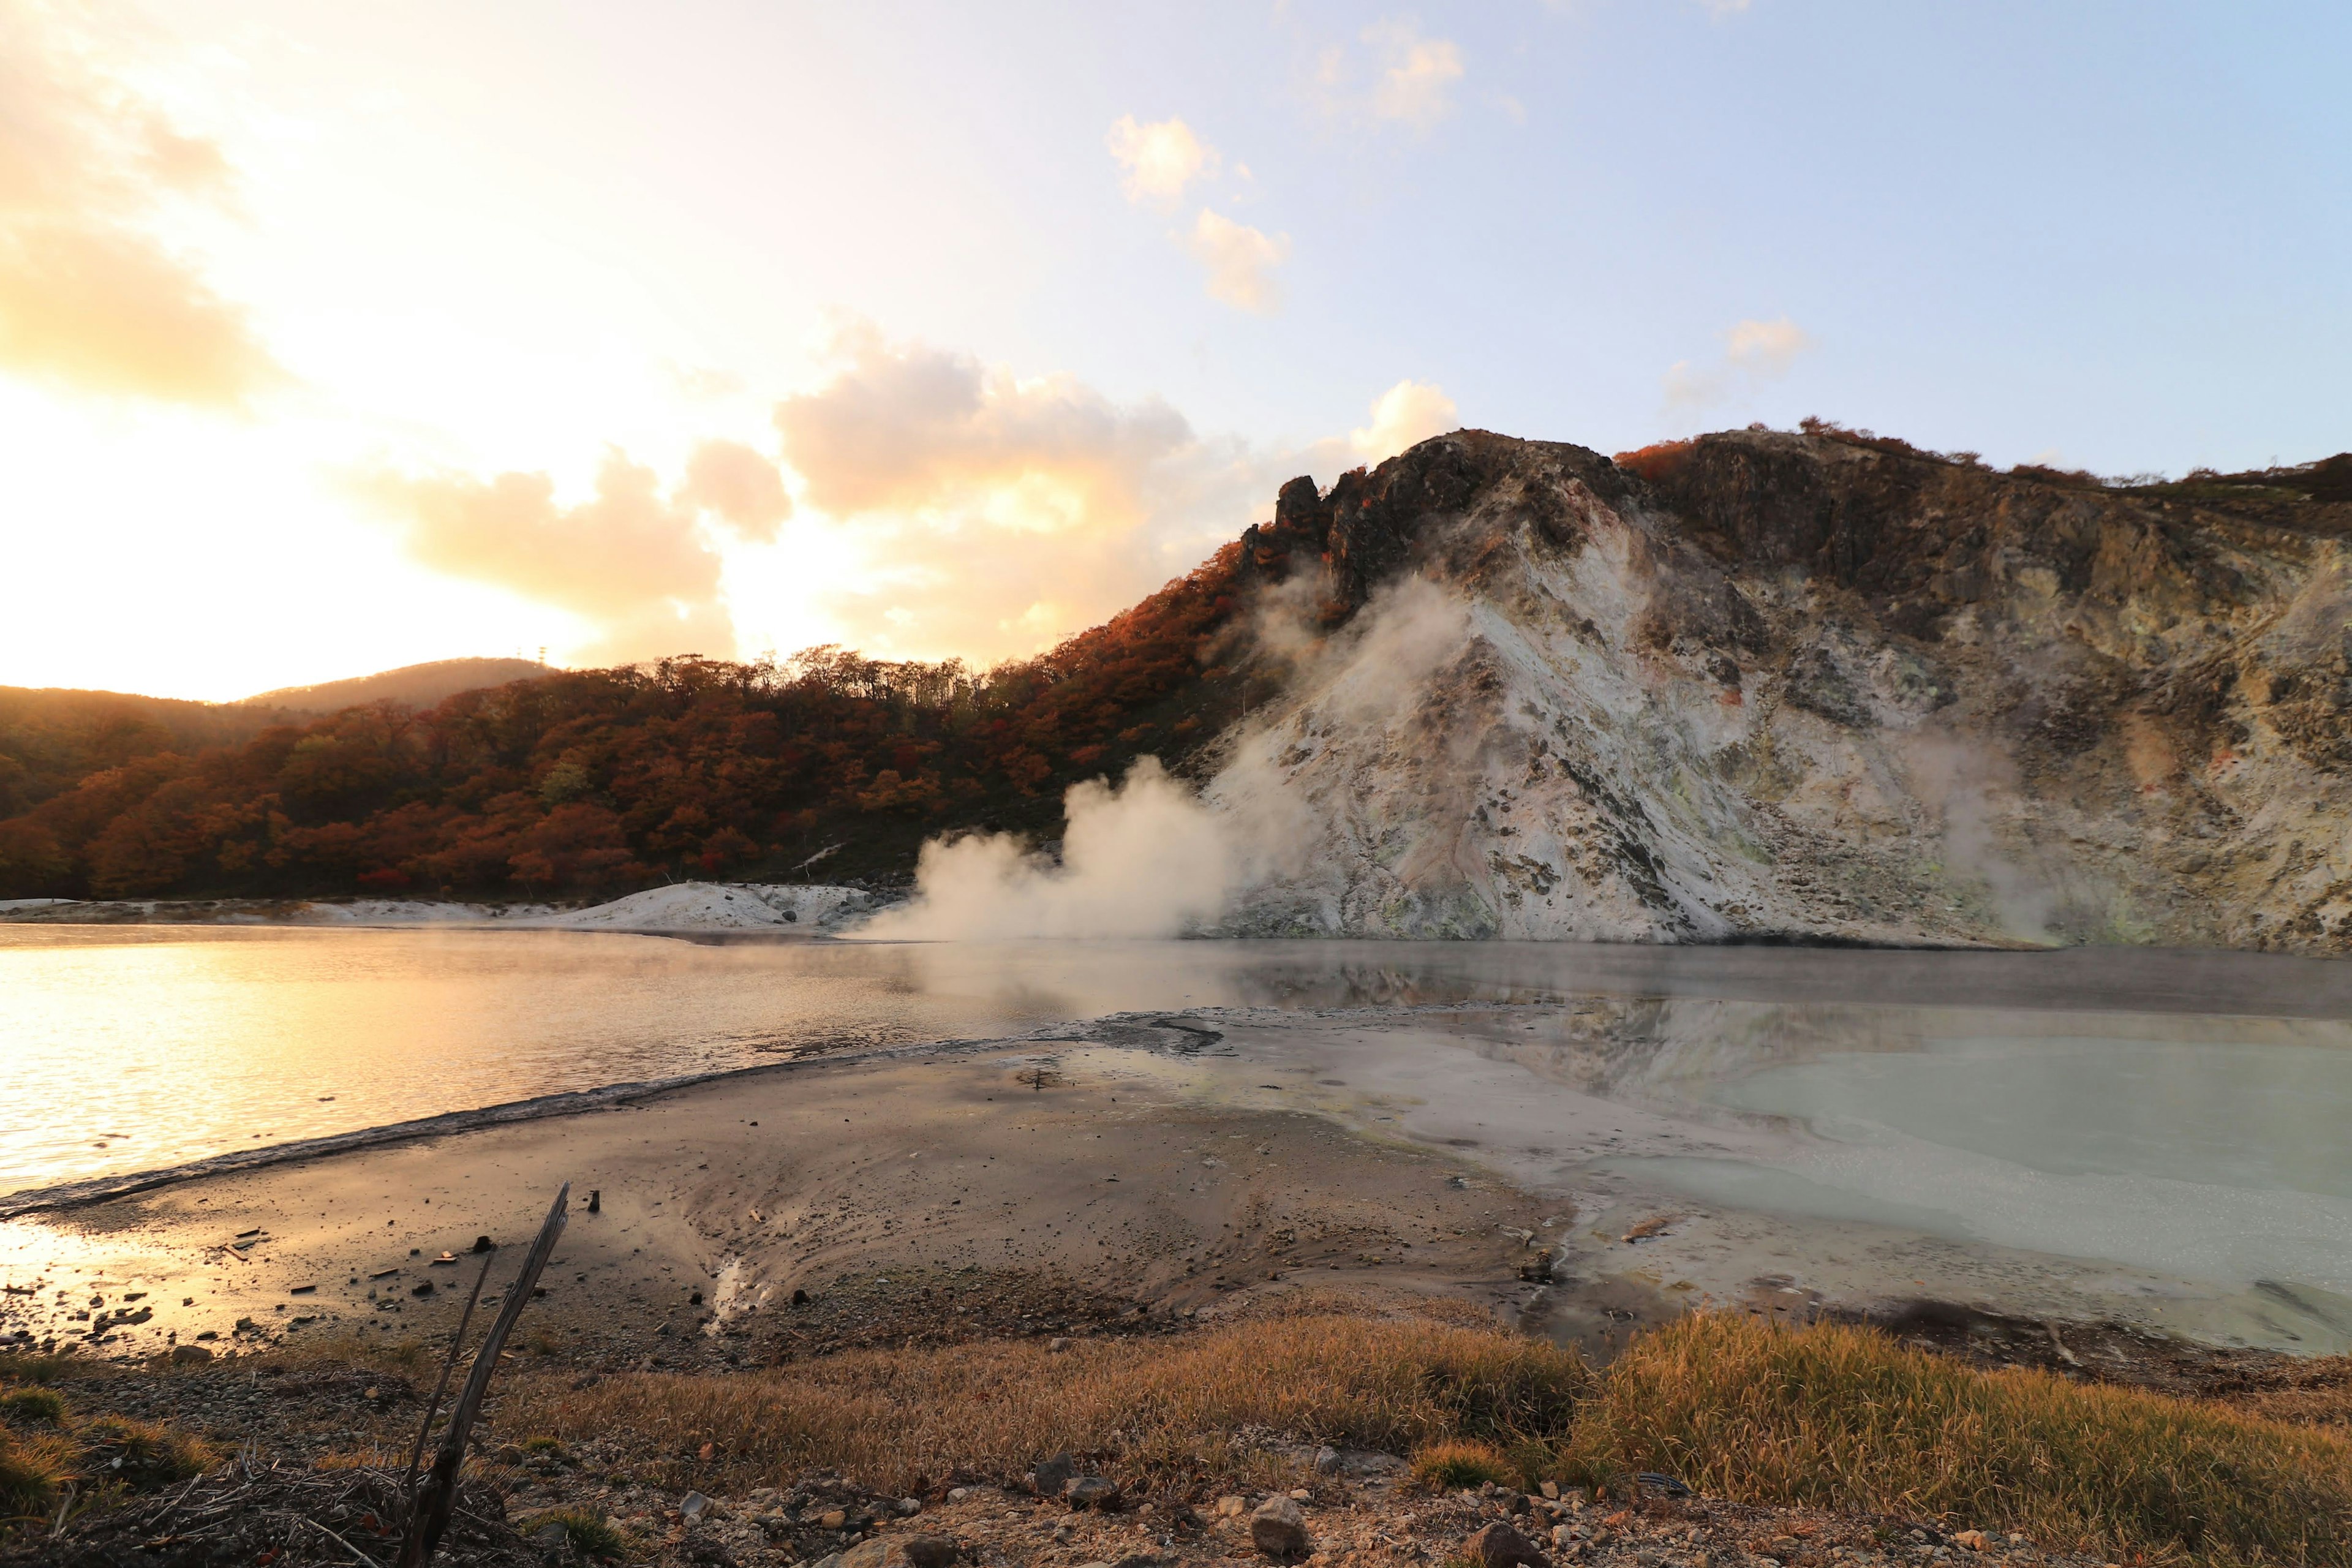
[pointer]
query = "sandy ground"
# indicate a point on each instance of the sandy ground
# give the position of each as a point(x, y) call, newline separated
point(1152, 1164)
point(1113, 1169)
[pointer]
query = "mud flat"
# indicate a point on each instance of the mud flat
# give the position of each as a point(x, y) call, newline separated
point(1578, 1171)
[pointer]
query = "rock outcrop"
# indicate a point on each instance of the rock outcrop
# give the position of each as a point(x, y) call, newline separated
point(1767, 686)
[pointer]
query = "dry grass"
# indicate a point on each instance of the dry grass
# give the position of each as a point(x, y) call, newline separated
point(1826, 1416)
point(31, 1469)
point(1168, 1412)
point(1461, 1462)
point(40, 1406)
point(1842, 1417)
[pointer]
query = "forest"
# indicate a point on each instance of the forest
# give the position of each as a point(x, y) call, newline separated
point(826, 766)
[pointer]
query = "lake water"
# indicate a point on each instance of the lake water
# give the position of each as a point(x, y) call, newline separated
point(2165, 1110)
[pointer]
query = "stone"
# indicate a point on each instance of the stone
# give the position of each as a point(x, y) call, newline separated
point(1230, 1507)
point(191, 1354)
point(1058, 1343)
point(833, 1519)
point(908, 1506)
point(1497, 1545)
point(1091, 1491)
point(1327, 1460)
point(1279, 1530)
point(1143, 1559)
point(1551, 1490)
point(694, 1506)
point(900, 1551)
point(1973, 1540)
point(1052, 1475)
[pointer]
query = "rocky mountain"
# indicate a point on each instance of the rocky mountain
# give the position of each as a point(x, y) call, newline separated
point(1815, 686)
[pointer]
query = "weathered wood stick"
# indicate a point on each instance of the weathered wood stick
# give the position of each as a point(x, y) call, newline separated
point(448, 1364)
point(428, 1513)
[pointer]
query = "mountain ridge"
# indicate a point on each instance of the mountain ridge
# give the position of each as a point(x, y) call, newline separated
point(1813, 686)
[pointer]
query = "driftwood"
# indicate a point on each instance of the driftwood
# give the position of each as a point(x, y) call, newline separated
point(429, 1506)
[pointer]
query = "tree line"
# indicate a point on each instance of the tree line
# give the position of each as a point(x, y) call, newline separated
point(828, 765)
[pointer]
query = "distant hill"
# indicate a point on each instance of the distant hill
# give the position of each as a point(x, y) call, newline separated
point(51, 738)
point(416, 685)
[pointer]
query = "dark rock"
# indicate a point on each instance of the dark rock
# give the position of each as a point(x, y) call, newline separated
point(1091, 1491)
point(1498, 1545)
point(1052, 1475)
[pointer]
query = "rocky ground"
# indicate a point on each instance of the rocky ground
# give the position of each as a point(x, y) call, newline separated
point(313, 1450)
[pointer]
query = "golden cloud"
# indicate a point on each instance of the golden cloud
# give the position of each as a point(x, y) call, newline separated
point(991, 515)
point(90, 298)
point(635, 565)
point(1241, 262)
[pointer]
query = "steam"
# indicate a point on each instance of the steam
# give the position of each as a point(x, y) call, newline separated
point(1142, 860)
point(1958, 779)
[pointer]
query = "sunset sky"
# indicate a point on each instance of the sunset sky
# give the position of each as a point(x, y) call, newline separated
point(337, 337)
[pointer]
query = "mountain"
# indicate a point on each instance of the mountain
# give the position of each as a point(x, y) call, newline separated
point(415, 685)
point(1812, 686)
point(1802, 686)
point(51, 738)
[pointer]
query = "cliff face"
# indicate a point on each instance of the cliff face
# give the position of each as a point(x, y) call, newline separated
point(1764, 685)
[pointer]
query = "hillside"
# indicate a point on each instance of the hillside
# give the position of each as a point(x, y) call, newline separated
point(53, 738)
point(1807, 686)
point(1755, 686)
point(412, 684)
point(596, 782)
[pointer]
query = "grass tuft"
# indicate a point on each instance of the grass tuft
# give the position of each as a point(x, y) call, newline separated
point(1453, 1463)
point(31, 1470)
point(1841, 1417)
point(585, 1530)
point(140, 1453)
point(33, 1406)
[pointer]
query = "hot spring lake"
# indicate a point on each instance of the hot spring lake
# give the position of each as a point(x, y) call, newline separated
point(2177, 1114)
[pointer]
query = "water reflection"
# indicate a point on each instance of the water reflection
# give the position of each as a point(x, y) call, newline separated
point(132, 1047)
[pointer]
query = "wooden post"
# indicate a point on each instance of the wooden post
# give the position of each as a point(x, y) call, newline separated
point(428, 1509)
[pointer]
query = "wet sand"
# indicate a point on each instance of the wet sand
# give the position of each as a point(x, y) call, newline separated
point(1110, 1169)
point(1159, 1166)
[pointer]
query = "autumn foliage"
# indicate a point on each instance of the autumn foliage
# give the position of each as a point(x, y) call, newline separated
point(598, 780)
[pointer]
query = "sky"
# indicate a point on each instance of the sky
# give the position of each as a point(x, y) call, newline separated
point(336, 338)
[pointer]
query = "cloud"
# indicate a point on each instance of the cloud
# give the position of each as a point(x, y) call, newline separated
point(740, 487)
point(1754, 351)
point(1407, 414)
point(1241, 262)
point(636, 565)
point(988, 514)
point(90, 297)
point(991, 513)
point(1719, 9)
point(1417, 74)
point(1766, 348)
point(1412, 79)
point(1160, 159)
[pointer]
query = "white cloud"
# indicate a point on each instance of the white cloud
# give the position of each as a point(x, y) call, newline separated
point(1407, 414)
point(1407, 79)
point(1754, 351)
point(1719, 9)
point(1766, 348)
point(1160, 159)
point(1241, 262)
point(1417, 75)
